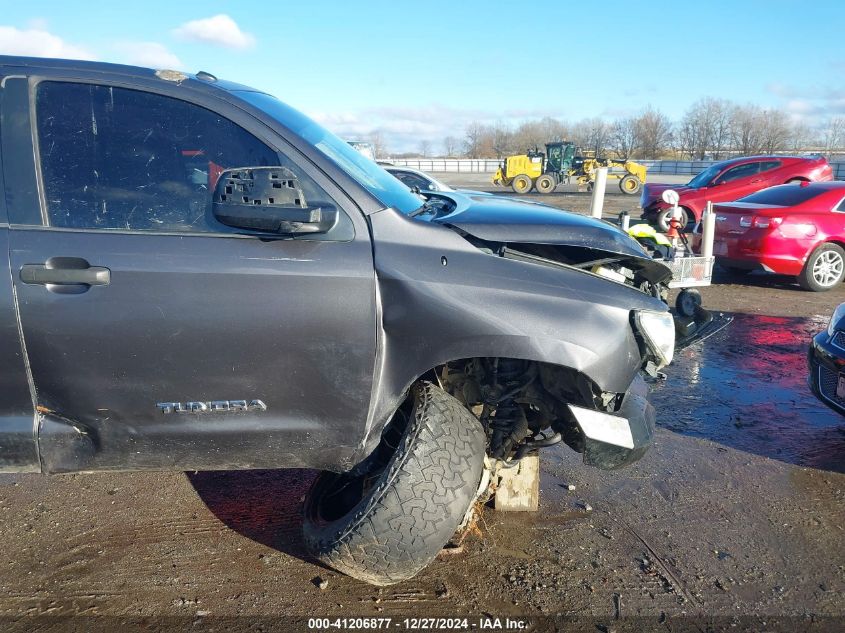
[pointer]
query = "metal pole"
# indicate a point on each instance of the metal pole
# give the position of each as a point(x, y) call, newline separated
point(597, 204)
point(708, 231)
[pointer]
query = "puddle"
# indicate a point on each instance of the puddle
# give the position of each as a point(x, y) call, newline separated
point(746, 387)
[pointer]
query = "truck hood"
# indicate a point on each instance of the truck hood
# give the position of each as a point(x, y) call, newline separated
point(501, 219)
point(513, 222)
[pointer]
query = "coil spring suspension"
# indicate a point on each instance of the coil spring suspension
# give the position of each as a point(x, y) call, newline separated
point(508, 426)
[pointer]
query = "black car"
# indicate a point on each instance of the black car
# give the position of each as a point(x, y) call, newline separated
point(202, 278)
point(827, 362)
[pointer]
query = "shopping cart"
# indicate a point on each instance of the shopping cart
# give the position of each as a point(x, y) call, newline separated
point(690, 272)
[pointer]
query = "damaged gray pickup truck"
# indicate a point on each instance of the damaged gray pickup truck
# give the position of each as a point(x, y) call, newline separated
point(200, 277)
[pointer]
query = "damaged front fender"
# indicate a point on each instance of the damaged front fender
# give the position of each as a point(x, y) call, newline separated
point(443, 299)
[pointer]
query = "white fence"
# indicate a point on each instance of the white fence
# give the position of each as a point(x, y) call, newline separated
point(464, 165)
point(489, 165)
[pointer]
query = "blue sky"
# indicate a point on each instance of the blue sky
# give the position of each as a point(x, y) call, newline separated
point(425, 69)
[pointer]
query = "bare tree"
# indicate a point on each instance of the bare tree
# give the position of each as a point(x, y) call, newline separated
point(425, 148)
point(450, 146)
point(689, 136)
point(554, 130)
point(376, 137)
point(800, 137)
point(473, 139)
point(502, 139)
point(832, 137)
point(746, 129)
point(623, 137)
point(775, 131)
point(592, 135)
point(653, 132)
point(719, 138)
point(528, 135)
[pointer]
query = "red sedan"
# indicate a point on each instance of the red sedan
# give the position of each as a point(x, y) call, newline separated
point(731, 180)
point(789, 229)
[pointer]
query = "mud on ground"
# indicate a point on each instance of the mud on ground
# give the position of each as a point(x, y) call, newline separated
point(733, 521)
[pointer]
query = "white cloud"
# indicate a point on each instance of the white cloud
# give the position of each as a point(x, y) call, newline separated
point(39, 24)
point(404, 127)
point(150, 54)
point(800, 107)
point(220, 30)
point(38, 42)
point(812, 104)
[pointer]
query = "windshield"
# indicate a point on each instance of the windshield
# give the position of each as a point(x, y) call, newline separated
point(389, 191)
point(706, 176)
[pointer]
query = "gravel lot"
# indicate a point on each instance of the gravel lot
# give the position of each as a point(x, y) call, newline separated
point(734, 521)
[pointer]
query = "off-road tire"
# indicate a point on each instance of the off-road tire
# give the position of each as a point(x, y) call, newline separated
point(522, 184)
point(630, 185)
point(810, 278)
point(414, 507)
point(545, 183)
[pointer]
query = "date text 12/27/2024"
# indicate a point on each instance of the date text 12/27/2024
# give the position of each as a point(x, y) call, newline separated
point(418, 624)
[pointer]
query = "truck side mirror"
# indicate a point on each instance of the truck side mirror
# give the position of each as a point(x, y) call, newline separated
point(268, 200)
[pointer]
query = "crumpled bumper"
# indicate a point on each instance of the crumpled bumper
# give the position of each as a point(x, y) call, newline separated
point(652, 210)
point(615, 440)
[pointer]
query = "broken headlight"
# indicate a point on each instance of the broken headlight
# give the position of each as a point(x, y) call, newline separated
point(658, 330)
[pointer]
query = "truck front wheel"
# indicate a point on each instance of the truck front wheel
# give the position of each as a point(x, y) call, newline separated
point(388, 518)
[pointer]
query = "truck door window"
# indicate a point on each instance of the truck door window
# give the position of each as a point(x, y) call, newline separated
point(116, 158)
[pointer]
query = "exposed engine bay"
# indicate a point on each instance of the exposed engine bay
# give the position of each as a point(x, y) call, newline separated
point(640, 274)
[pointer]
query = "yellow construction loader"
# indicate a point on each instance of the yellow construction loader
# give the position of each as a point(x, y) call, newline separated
point(545, 171)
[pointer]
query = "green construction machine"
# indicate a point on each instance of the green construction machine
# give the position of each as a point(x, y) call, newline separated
point(560, 163)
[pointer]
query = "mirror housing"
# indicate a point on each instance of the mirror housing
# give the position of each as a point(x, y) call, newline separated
point(268, 200)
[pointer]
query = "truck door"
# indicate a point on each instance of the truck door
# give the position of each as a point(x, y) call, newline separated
point(160, 337)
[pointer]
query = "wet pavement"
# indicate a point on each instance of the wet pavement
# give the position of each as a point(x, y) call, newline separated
point(746, 388)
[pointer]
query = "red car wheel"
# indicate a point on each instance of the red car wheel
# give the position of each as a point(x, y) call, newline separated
point(824, 269)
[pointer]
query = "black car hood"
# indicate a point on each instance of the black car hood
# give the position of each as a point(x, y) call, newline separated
point(501, 219)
